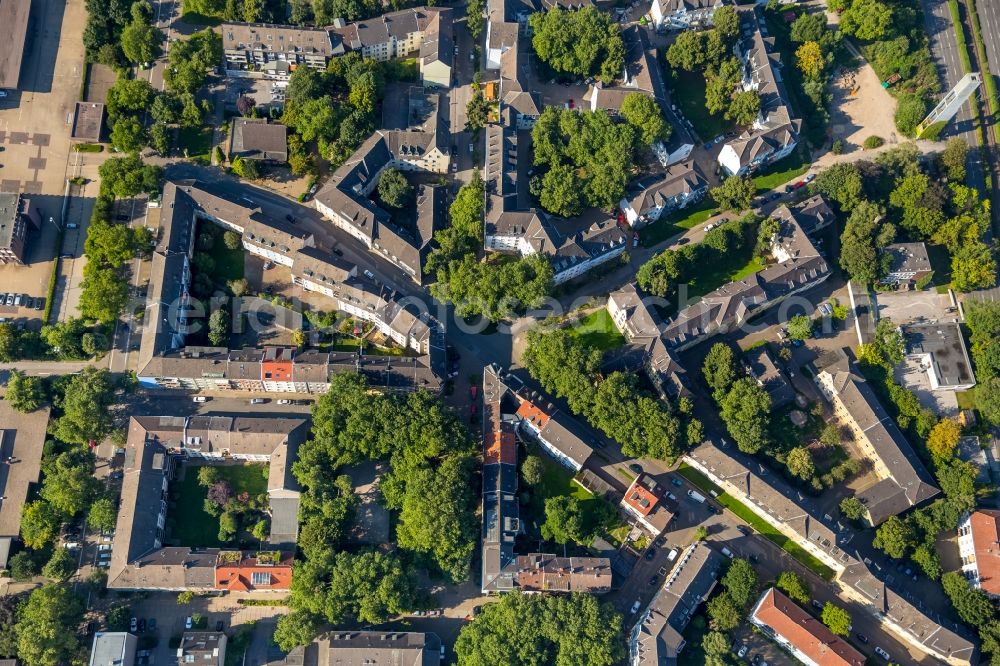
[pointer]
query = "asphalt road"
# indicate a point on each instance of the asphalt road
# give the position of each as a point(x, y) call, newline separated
point(944, 50)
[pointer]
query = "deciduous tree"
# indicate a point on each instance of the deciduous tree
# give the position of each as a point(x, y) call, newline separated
point(734, 194)
point(793, 586)
point(746, 411)
point(24, 393)
point(836, 619)
point(644, 113)
point(895, 537)
point(47, 626)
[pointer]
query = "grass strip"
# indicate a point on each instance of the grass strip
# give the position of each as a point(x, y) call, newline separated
point(977, 35)
point(956, 23)
point(53, 278)
point(768, 531)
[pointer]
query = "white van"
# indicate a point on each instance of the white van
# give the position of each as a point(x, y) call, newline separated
point(672, 555)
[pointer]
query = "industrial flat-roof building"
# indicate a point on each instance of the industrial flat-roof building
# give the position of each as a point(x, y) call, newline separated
point(113, 648)
point(13, 33)
point(940, 349)
point(87, 122)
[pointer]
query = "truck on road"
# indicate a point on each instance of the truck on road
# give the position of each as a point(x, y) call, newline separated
point(696, 496)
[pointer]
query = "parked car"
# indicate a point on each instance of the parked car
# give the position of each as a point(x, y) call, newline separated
point(635, 467)
point(40, 303)
point(862, 638)
point(258, 401)
point(743, 529)
point(188, 623)
point(742, 651)
point(672, 555)
point(882, 653)
point(816, 604)
point(728, 553)
point(142, 626)
point(219, 625)
point(810, 178)
point(133, 624)
point(677, 482)
point(650, 554)
point(152, 624)
point(72, 225)
point(653, 579)
point(284, 402)
point(200, 398)
point(635, 607)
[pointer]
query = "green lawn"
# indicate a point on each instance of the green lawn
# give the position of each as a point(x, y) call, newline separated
point(678, 222)
point(731, 267)
point(192, 526)
point(966, 399)
point(228, 263)
point(688, 92)
point(558, 481)
point(766, 530)
point(197, 18)
point(781, 172)
point(597, 330)
point(197, 141)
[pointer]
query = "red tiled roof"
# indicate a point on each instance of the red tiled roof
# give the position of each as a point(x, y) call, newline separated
point(986, 539)
point(239, 575)
point(640, 497)
point(529, 412)
point(805, 632)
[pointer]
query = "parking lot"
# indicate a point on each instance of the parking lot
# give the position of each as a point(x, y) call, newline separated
point(904, 307)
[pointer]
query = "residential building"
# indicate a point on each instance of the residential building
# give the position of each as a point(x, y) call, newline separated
point(540, 572)
point(164, 359)
point(896, 609)
point(221, 369)
point(202, 647)
point(437, 50)
point(503, 570)
point(257, 139)
point(767, 495)
point(113, 648)
point(19, 219)
point(643, 501)
point(573, 247)
point(261, 50)
point(636, 320)
point(393, 35)
point(909, 263)
point(139, 558)
point(346, 200)
point(679, 186)
point(559, 435)
point(683, 14)
point(940, 349)
point(13, 34)
point(979, 548)
point(808, 639)
point(800, 267)
point(237, 571)
point(812, 215)
point(903, 481)
point(760, 366)
point(505, 21)
point(366, 648)
point(657, 638)
point(22, 438)
point(641, 74)
point(775, 132)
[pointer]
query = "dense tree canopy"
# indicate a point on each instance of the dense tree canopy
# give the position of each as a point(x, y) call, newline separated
point(47, 625)
point(579, 43)
point(24, 393)
point(745, 409)
point(735, 193)
point(191, 59)
point(587, 159)
point(865, 234)
point(85, 407)
point(532, 629)
point(643, 425)
point(644, 113)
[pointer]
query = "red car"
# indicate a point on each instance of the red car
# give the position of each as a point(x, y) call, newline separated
point(473, 391)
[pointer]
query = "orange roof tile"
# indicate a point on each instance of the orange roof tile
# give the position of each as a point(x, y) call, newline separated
point(640, 497)
point(529, 412)
point(806, 633)
point(986, 539)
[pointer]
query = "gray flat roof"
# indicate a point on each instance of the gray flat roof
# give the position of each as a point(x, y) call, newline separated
point(87, 121)
point(944, 342)
point(13, 29)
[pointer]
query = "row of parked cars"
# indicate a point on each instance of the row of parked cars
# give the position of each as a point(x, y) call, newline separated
point(22, 301)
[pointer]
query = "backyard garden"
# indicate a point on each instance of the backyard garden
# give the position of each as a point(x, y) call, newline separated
point(219, 505)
